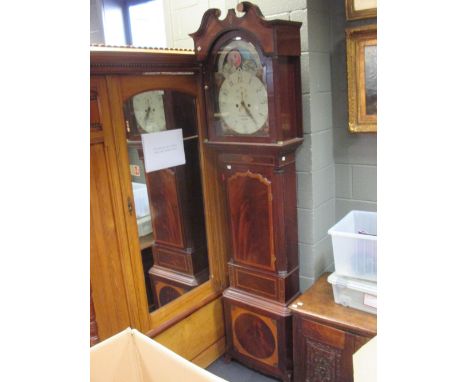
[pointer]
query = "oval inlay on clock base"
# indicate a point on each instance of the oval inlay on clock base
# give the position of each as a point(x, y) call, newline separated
point(254, 335)
point(167, 294)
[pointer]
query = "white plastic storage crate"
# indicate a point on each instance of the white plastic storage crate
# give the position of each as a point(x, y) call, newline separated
point(355, 293)
point(144, 226)
point(140, 195)
point(354, 240)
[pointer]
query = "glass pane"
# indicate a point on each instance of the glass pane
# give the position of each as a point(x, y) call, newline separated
point(147, 24)
point(168, 203)
point(240, 95)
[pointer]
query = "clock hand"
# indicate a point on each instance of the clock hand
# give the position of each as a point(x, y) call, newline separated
point(248, 112)
point(147, 113)
point(246, 108)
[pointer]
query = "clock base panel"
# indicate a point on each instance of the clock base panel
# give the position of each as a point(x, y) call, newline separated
point(258, 333)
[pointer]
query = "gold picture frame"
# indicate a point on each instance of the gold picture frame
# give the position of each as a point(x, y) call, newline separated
point(360, 9)
point(361, 50)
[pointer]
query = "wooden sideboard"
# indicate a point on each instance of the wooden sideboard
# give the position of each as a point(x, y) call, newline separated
point(326, 335)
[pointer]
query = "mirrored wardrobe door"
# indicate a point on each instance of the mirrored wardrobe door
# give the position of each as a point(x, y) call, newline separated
point(166, 210)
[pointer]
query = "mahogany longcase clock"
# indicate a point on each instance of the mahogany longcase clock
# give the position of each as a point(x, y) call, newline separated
point(251, 73)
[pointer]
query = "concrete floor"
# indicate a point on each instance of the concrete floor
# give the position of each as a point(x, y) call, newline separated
point(235, 372)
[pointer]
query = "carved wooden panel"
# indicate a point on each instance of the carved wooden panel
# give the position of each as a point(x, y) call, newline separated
point(165, 208)
point(251, 219)
point(323, 362)
point(255, 335)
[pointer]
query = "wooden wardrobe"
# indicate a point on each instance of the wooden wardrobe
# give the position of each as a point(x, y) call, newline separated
point(193, 324)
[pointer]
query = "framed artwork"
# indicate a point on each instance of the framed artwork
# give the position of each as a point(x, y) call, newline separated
point(361, 49)
point(360, 9)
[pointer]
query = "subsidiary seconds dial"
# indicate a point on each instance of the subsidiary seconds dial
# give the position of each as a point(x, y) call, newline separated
point(243, 102)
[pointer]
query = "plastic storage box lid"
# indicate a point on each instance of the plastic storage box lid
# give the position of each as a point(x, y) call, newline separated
point(364, 286)
point(357, 225)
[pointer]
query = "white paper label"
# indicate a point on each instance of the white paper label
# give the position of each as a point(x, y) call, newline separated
point(163, 149)
point(370, 300)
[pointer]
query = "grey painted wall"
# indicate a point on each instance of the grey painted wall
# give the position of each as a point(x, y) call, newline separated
point(355, 154)
point(315, 164)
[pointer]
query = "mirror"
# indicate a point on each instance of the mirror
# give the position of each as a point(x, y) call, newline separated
point(168, 203)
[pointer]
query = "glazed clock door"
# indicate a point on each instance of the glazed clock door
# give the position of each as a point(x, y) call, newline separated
point(242, 103)
point(239, 93)
point(166, 219)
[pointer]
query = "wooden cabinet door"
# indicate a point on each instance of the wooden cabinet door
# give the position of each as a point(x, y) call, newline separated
point(110, 298)
point(250, 210)
point(262, 216)
point(322, 353)
point(106, 271)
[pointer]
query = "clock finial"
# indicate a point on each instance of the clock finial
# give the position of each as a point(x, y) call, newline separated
point(246, 6)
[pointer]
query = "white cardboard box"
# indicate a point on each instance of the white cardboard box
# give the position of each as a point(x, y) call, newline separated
point(365, 362)
point(130, 356)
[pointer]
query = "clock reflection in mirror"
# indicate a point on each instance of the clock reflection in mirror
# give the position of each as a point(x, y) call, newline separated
point(168, 203)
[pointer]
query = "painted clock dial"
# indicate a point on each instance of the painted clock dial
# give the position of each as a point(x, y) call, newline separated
point(241, 93)
point(148, 108)
point(243, 102)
